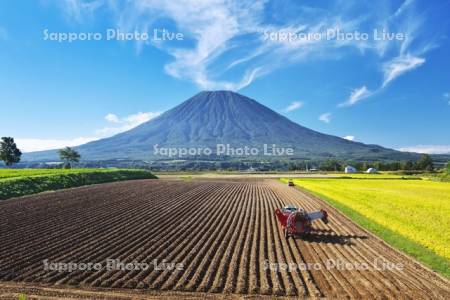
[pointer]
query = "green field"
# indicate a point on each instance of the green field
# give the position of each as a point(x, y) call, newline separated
point(14, 173)
point(411, 215)
point(19, 182)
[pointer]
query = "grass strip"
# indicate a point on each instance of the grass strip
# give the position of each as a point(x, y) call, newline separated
point(15, 187)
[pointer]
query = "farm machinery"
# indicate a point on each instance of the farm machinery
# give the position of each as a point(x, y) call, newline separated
point(295, 221)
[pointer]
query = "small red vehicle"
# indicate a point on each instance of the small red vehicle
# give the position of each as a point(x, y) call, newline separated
point(295, 221)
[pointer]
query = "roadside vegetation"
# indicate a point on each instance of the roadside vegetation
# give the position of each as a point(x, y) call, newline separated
point(20, 182)
point(411, 215)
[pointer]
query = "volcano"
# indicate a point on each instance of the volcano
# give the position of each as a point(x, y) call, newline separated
point(227, 118)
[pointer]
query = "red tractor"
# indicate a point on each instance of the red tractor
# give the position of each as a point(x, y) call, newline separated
point(295, 221)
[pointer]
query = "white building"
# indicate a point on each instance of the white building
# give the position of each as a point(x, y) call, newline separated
point(371, 170)
point(350, 169)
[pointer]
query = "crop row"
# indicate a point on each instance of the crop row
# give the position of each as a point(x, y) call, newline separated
point(221, 233)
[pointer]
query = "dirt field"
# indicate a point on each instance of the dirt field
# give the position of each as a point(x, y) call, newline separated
point(223, 235)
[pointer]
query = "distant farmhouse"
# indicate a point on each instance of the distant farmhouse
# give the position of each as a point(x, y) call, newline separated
point(350, 169)
point(371, 170)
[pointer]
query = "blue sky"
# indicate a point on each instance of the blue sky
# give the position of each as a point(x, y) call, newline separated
point(393, 92)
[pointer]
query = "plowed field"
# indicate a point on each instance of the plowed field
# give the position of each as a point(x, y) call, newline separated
point(222, 235)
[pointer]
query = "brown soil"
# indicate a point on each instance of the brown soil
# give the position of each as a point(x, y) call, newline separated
point(223, 232)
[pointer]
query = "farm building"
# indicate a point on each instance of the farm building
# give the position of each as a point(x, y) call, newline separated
point(350, 169)
point(371, 170)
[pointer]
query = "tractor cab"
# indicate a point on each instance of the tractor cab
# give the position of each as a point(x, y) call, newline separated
point(289, 209)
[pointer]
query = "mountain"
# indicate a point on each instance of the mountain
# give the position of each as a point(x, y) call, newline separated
point(223, 117)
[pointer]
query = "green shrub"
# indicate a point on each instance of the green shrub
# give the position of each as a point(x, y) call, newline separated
point(15, 187)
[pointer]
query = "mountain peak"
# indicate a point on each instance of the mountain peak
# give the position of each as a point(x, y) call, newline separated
point(225, 117)
point(219, 95)
point(221, 92)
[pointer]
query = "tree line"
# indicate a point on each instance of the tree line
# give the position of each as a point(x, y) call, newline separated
point(10, 154)
point(425, 163)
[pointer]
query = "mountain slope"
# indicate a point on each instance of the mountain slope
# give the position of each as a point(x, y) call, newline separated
point(223, 117)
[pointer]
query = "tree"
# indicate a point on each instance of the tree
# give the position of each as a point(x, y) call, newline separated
point(407, 166)
point(331, 165)
point(425, 163)
point(9, 152)
point(69, 156)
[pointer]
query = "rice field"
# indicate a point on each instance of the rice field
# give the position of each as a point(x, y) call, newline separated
point(416, 210)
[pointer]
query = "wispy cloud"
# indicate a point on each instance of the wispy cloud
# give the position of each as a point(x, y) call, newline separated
point(349, 137)
point(404, 6)
point(356, 95)
point(409, 54)
point(120, 125)
point(227, 44)
point(326, 117)
point(430, 149)
point(399, 66)
point(211, 26)
point(78, 10)
point(293, 106)
point(412, 49)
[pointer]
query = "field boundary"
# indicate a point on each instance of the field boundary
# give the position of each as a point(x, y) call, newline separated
point(49, 291)
point(27, 185)
point(403, 245)
point(234, 247)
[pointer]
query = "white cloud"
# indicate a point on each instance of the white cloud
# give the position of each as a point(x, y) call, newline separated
point(217, 30)
point(403, 7)
point(399, 66)
point(122, 124)
point(224, 37)
point(293, 106)
point(30, 145)
point(210, 25)
point(78, 10)
point(112, 118)
point(326, 117)
point(409, 55)
point(430, 149)
point(410, 49)
point(349, 137)
point(356, 95)
point(126, 123)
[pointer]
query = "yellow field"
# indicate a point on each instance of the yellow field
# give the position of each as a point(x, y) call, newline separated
point(415, 209)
